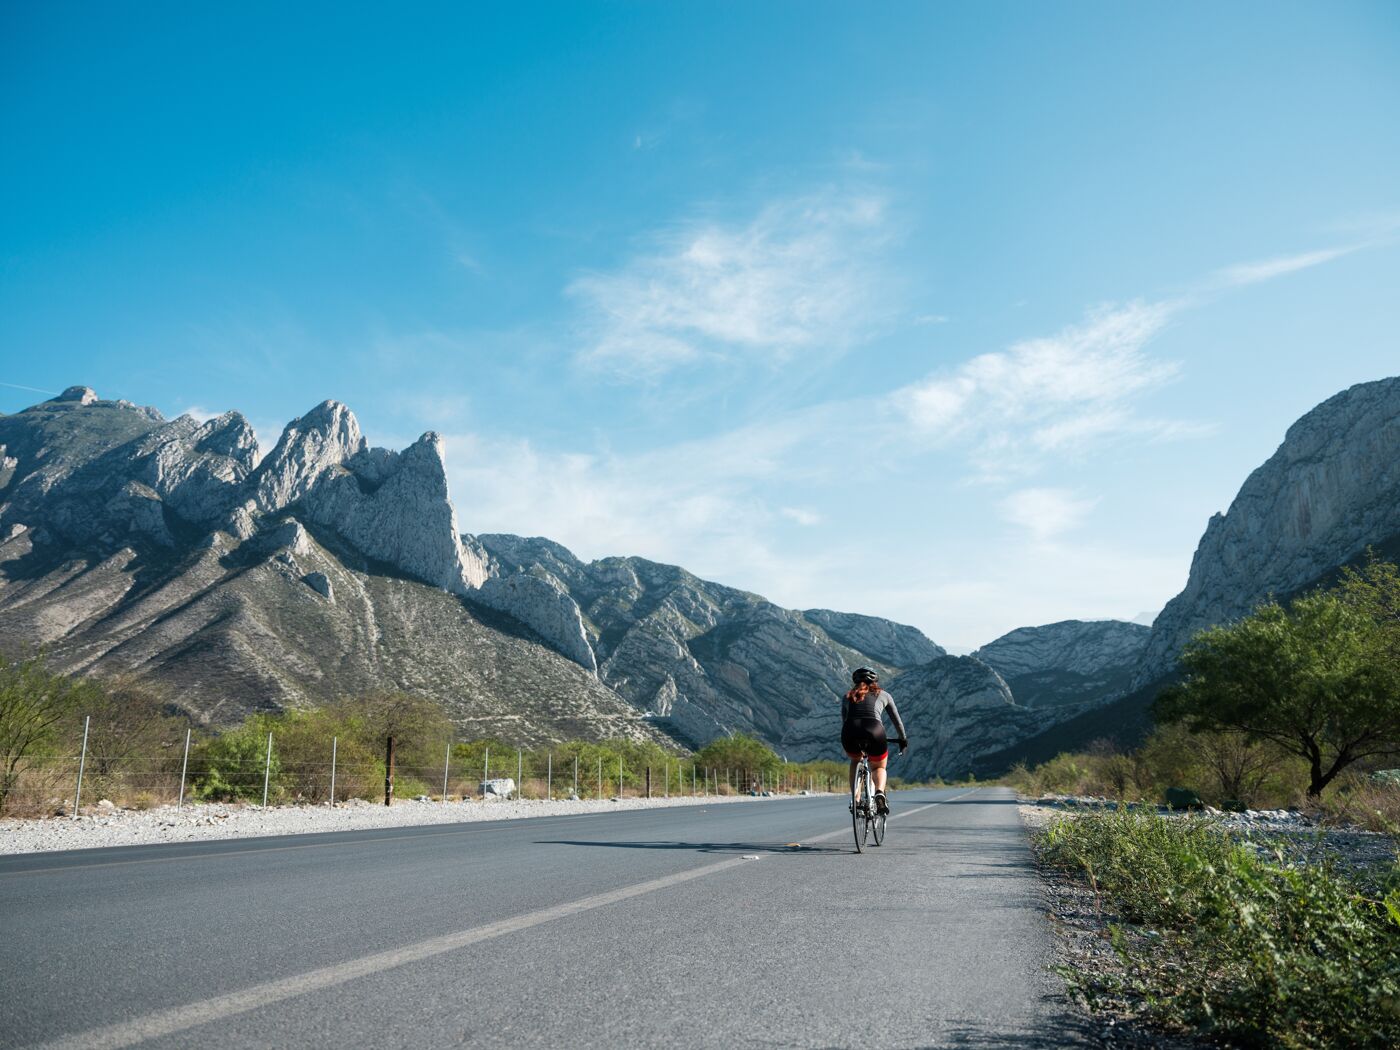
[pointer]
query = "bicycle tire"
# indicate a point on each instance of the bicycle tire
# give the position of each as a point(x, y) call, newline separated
point(879, 823)
point(860, 825)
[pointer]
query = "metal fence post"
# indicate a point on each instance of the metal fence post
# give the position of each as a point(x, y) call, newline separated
point(667, 777)
point(389, 771)
point(576, 776)
point(549, 778)
point(600, 777)
point(335, 741)
point(692, 779)
point(82, 761)
point(267, 769)
point(648, 781)
point(446, 765)
point(184, 767)
point(486, 768)
point(519, 773)
point(619, 777)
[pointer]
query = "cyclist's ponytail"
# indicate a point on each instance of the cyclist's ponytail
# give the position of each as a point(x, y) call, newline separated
point(863, 690)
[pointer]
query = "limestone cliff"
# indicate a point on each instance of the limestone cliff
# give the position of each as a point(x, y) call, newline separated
point(1332, 488)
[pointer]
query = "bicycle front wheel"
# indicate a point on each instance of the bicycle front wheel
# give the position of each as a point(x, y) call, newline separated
point(879, 829)
point(859, 825)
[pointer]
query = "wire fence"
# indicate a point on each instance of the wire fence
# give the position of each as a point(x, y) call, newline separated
point(340, 769)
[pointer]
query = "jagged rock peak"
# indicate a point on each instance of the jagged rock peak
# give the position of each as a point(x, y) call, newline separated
point(319, 441)
point(84, 395)
point(76, 397)
point(395, 508)
point(1331, 488)
point(228, 435)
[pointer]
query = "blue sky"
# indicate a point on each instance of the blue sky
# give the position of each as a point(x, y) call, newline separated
point(966, 315)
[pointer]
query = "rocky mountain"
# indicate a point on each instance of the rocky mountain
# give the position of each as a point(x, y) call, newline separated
point(129, 544)
point(1067, 663)
point(167, 549)
point(702, 658)
point(1331, 489)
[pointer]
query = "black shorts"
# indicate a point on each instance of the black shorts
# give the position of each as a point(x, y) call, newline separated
point(865, 736)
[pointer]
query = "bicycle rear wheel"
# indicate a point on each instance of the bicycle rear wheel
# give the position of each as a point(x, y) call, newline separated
point(859, 796)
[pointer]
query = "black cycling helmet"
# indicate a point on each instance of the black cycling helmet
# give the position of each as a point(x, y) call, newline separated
point(864, 676)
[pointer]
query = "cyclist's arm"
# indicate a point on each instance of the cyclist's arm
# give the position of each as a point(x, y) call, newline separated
point(894, 717)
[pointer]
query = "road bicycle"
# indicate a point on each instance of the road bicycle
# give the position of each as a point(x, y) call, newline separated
point(866, 820)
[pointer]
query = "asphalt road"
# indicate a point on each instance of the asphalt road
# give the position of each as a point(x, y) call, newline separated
point(647, 928)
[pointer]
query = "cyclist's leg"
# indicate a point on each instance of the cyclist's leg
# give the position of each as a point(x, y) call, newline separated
point(851, 785)
point(877, 767)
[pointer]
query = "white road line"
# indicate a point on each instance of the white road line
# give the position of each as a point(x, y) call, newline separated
point(181, 1018)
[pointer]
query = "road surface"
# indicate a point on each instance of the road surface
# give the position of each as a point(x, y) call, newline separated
point(647, 928)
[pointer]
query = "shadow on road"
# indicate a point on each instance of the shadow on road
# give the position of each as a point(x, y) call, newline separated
point(1064, 1028)
point(703, 847)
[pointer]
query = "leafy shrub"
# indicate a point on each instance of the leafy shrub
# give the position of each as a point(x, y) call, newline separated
point(1249, 948)
point(230, 767)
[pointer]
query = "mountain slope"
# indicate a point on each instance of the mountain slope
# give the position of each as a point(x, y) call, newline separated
point(703, 658)
point(1332, 488)
point(1071, 662)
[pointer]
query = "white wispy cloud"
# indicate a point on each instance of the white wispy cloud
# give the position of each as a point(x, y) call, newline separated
point(802, 271)
point(711, 505)
point(1279, 266)
point(1045, 513)
point(801, 516)
point(1049, 394)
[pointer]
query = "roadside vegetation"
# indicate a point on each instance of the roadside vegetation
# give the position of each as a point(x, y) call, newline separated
point(1295, 705)
point(136, 752)
point(1221, 939)
point(1244, 935)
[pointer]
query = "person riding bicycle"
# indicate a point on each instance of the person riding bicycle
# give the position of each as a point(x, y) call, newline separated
point(863, 730)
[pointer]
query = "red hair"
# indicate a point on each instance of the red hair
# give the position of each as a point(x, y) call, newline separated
point(863, 690)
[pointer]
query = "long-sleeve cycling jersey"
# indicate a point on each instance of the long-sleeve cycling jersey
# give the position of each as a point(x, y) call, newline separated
point(871, 708)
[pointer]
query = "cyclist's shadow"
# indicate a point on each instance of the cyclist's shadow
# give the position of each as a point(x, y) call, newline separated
point(701, 847)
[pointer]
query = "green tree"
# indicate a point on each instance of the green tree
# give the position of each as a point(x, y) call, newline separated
point(34, 705)
point(1310, 678)
point(746, 755)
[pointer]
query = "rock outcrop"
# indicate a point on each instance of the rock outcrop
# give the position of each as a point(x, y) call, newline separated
point(542, 603)
point(1071, 662)
point(1331, 489)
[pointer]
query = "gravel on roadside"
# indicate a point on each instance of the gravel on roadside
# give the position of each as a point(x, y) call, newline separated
point(107, 825)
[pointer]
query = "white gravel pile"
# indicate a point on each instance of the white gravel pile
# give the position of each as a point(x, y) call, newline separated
point(196, 822)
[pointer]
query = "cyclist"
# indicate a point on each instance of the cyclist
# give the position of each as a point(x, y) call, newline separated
point(863, 730)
